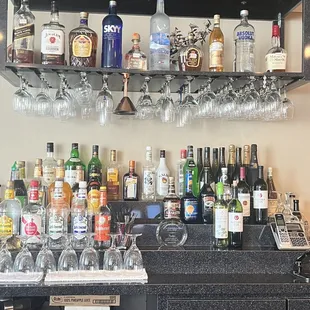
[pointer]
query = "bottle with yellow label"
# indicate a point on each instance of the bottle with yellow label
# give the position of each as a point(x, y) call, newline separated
point(216, 47)
point(10, 212)
point(113, 177)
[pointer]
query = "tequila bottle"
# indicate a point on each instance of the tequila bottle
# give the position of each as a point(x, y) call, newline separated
point(135, 58)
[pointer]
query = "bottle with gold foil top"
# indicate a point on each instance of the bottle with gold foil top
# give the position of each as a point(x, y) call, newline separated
point(38, 176)
point(113, 177)
point(216, 47)
point(231, 163)
point(135, 58)
point(10, 212)
point(272, 194)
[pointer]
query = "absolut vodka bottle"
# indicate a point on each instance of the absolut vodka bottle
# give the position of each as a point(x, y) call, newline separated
point(112, 28)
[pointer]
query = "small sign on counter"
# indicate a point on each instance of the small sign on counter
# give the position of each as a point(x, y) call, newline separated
point(85, 300)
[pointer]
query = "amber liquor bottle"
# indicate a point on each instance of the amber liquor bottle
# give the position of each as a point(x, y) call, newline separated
point(216, 47)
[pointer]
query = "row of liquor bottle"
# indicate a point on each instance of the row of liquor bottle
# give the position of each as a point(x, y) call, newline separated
point(83, 44)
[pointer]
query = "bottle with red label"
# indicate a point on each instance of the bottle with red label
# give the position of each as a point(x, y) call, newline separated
point(103, 222)
point(33, 216)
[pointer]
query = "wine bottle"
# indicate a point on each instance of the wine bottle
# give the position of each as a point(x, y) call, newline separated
point(252, 173)
point(227, 189)
point(244, 196)
point(272, 194)
point(260, 197)
point(180, 173)
point(162, 176)
point(215, 163)
point(231, 163)
point(199, 163)
point(236, 174)
point(191, 172)
point(246, 159)
point(296, 211)
point(235, 219)
point(222, 163)
point(220, 227)
point(206, 164)
point(206, 198)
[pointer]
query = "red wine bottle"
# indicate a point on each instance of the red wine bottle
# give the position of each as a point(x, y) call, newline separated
point(260, 198)
point(231, 163)
point(244, 196)
point(215, 163)
point(236, 174)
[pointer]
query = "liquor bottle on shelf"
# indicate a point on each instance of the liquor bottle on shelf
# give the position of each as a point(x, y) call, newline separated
point(113, 184)
point(38, 176)
point(244, 37)
point(57, 214)
point(162, 175)
point(53, 39)
point(83, 44)
point(60, 176)
point(20, 188)
point(235, 219)
point(49, 165)
point(272, 194)
point(216, 47)
point(260, 196)
point(276, 57)
point(71, 163)
point(231, 163)
point(172, 203)
point(206, 198)
point(180, 173)
point(10, 212)
point(246, 157)
point(159, 39)
point(102, 222)
point(190, 211)
point(199, 163)
point(135, 58)
point(93, 195)
point(244, 196)
point(224, 181)
point(220, 227)
point(222, 163)
point(215, 164)
point(94, 167)
point(206, 164)
point(23, 35)
point(81, 223)
point(190, 171)
point(252, 171)
point(148, 185)
point(33, 217)
point(79, 178)
point(131, 183)
point(112, 29)
point(236, 174)
point(296, 210)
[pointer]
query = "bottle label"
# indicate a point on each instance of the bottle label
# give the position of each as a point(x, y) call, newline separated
point(160, 48)
point(163, 184)
point(190, 210)
point(79, 226)
point(112, 181)
point(260, 199)
point(245, 202)
point(148, 183)
point(34, 195)
point(9, 194)
point(216, 54)
point(272, 207)
point(208, 204)
point(31, 226)
point(221, 223)
point(193, 58)
point(245, 35)
point(56, 226)
point(23, 37)
point(93, 199)
point(235, 222)
point(70, 176)
point(275, 61)
point(131, 187)
point(102, 227)
point(82, 46)
point(22, 200)
point(52, 42)
point(188, 181)
point(6, 226)
point(37, 172)
point(49, 175)
point(172, 210)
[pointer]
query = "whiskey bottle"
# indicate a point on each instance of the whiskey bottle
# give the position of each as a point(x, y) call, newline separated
point(83, 44)
point(53, 40)
point(135, 58)
point(216, 47)
point(113, 182)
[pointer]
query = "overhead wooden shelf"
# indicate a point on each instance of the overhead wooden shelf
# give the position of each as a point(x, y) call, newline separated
point(262, 10)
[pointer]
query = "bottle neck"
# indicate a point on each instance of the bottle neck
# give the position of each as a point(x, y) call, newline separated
point(254, 160)
point(234, 192)
point(148, 156)
point(50, 154)
point(60, 173)
point(131, 170)
point(171, 189)
point(222, 159)
point(82, 194)
point(207, 162)
point(55, 17)
point(207, 176)
point(83, 22)
point(238, 157)
point(38, 172)
point(232, 158)
point(75, 153)
point(103, 198)
point(9, 194)
point(160, 6)
point(260, 173)
point(112, 9)
point(162, 161)
point(275, 41)
point(33, 195)
point(244, 20)
point(136, 45)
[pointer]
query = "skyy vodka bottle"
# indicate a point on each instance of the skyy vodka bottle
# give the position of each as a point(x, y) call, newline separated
point(112, 28)
point(244, 36)
point(159, 40)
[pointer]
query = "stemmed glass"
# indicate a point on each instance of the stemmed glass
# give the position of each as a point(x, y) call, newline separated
point(287, 107)
point(24, 261)
point(251, 102)
point(272, 101)
point(207, 101)
point(62, 104)
point(89, 259)
point(189, 99)
point(133, 257)
point(68, 260)
point(113, 259)
point(167, 108)
point(43, 101)
point(229, 101)
point(23, 100)
point(45, 261)
point(145, 106)
point(6, 262)
point(158, 104)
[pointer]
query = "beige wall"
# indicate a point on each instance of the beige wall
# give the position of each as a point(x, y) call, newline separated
point(283, 146)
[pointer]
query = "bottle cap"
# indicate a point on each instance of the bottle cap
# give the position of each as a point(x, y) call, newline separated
point(132, 164)
point(54, 7)
point(112, 3)
point(224, 170)
point(60, 162)
point(95, 149)
point(215, 150)
point(232, 148)
point(275, 30)
point(84, 15)
point(50, 147)
point(75, 146)
point(296, 204)
point(149, 148)
point(39, 162)
point(242, 172)
point(103, 188)
point(244, 13)
point(269, 171)
point(59, 184)
point(162, 153)
point(234, 183)
point(82, 184)
point(217, 18)
point(246, 148)
point(136, 36)
point(183, 153)
point(34, 183)
point(171, 180)
point(254, 148)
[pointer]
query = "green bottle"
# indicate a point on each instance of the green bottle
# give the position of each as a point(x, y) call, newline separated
point(190, 171)
point(71, 163)
point(94, 166)
point(220, 218)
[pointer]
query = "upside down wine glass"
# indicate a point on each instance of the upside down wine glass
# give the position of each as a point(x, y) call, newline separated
point(89, 259)
point(6, 262)
point(133, 257)
point(113, 259)
point(45, 261)
point(24, 261)
point(68, 260)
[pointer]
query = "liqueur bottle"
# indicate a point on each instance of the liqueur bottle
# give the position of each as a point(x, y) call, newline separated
point(94, 167)
point(215, 164)
point(231, 163)
point(216, 47)
point(222, 163)
point(49, 165)
point(131, 183)
point(135, 58)
point(113, 184)
point(180, 173)
point(83, 44)
point(162, 175)
point(191, 173)
point(236, 174)
point(272, 194)
point(148, 185)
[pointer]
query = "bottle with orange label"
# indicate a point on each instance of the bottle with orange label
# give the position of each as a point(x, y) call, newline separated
point(93, 194)
point(113, 177)
point(102, 222)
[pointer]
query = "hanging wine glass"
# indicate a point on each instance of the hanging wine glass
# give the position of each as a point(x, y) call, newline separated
point(207, 101)
point(167, 109)
point(62, 103)
point(145, 108)
point(43, 101)
point(133, 257)
point(89, 259)
point(22, 99)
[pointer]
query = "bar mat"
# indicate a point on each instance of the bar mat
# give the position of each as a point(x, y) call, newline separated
point(20, 278)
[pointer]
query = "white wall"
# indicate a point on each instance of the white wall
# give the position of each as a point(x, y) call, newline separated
point(283, 146)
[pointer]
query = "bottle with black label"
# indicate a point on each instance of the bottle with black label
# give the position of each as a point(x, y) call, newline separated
point(231, 163)
point(222, 163)
point(207, 197)
point(260, 198)
point(244, 196)
point(190, 211)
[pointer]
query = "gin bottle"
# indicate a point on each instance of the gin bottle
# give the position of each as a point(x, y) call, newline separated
point(159, 40)
point(148, 190)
